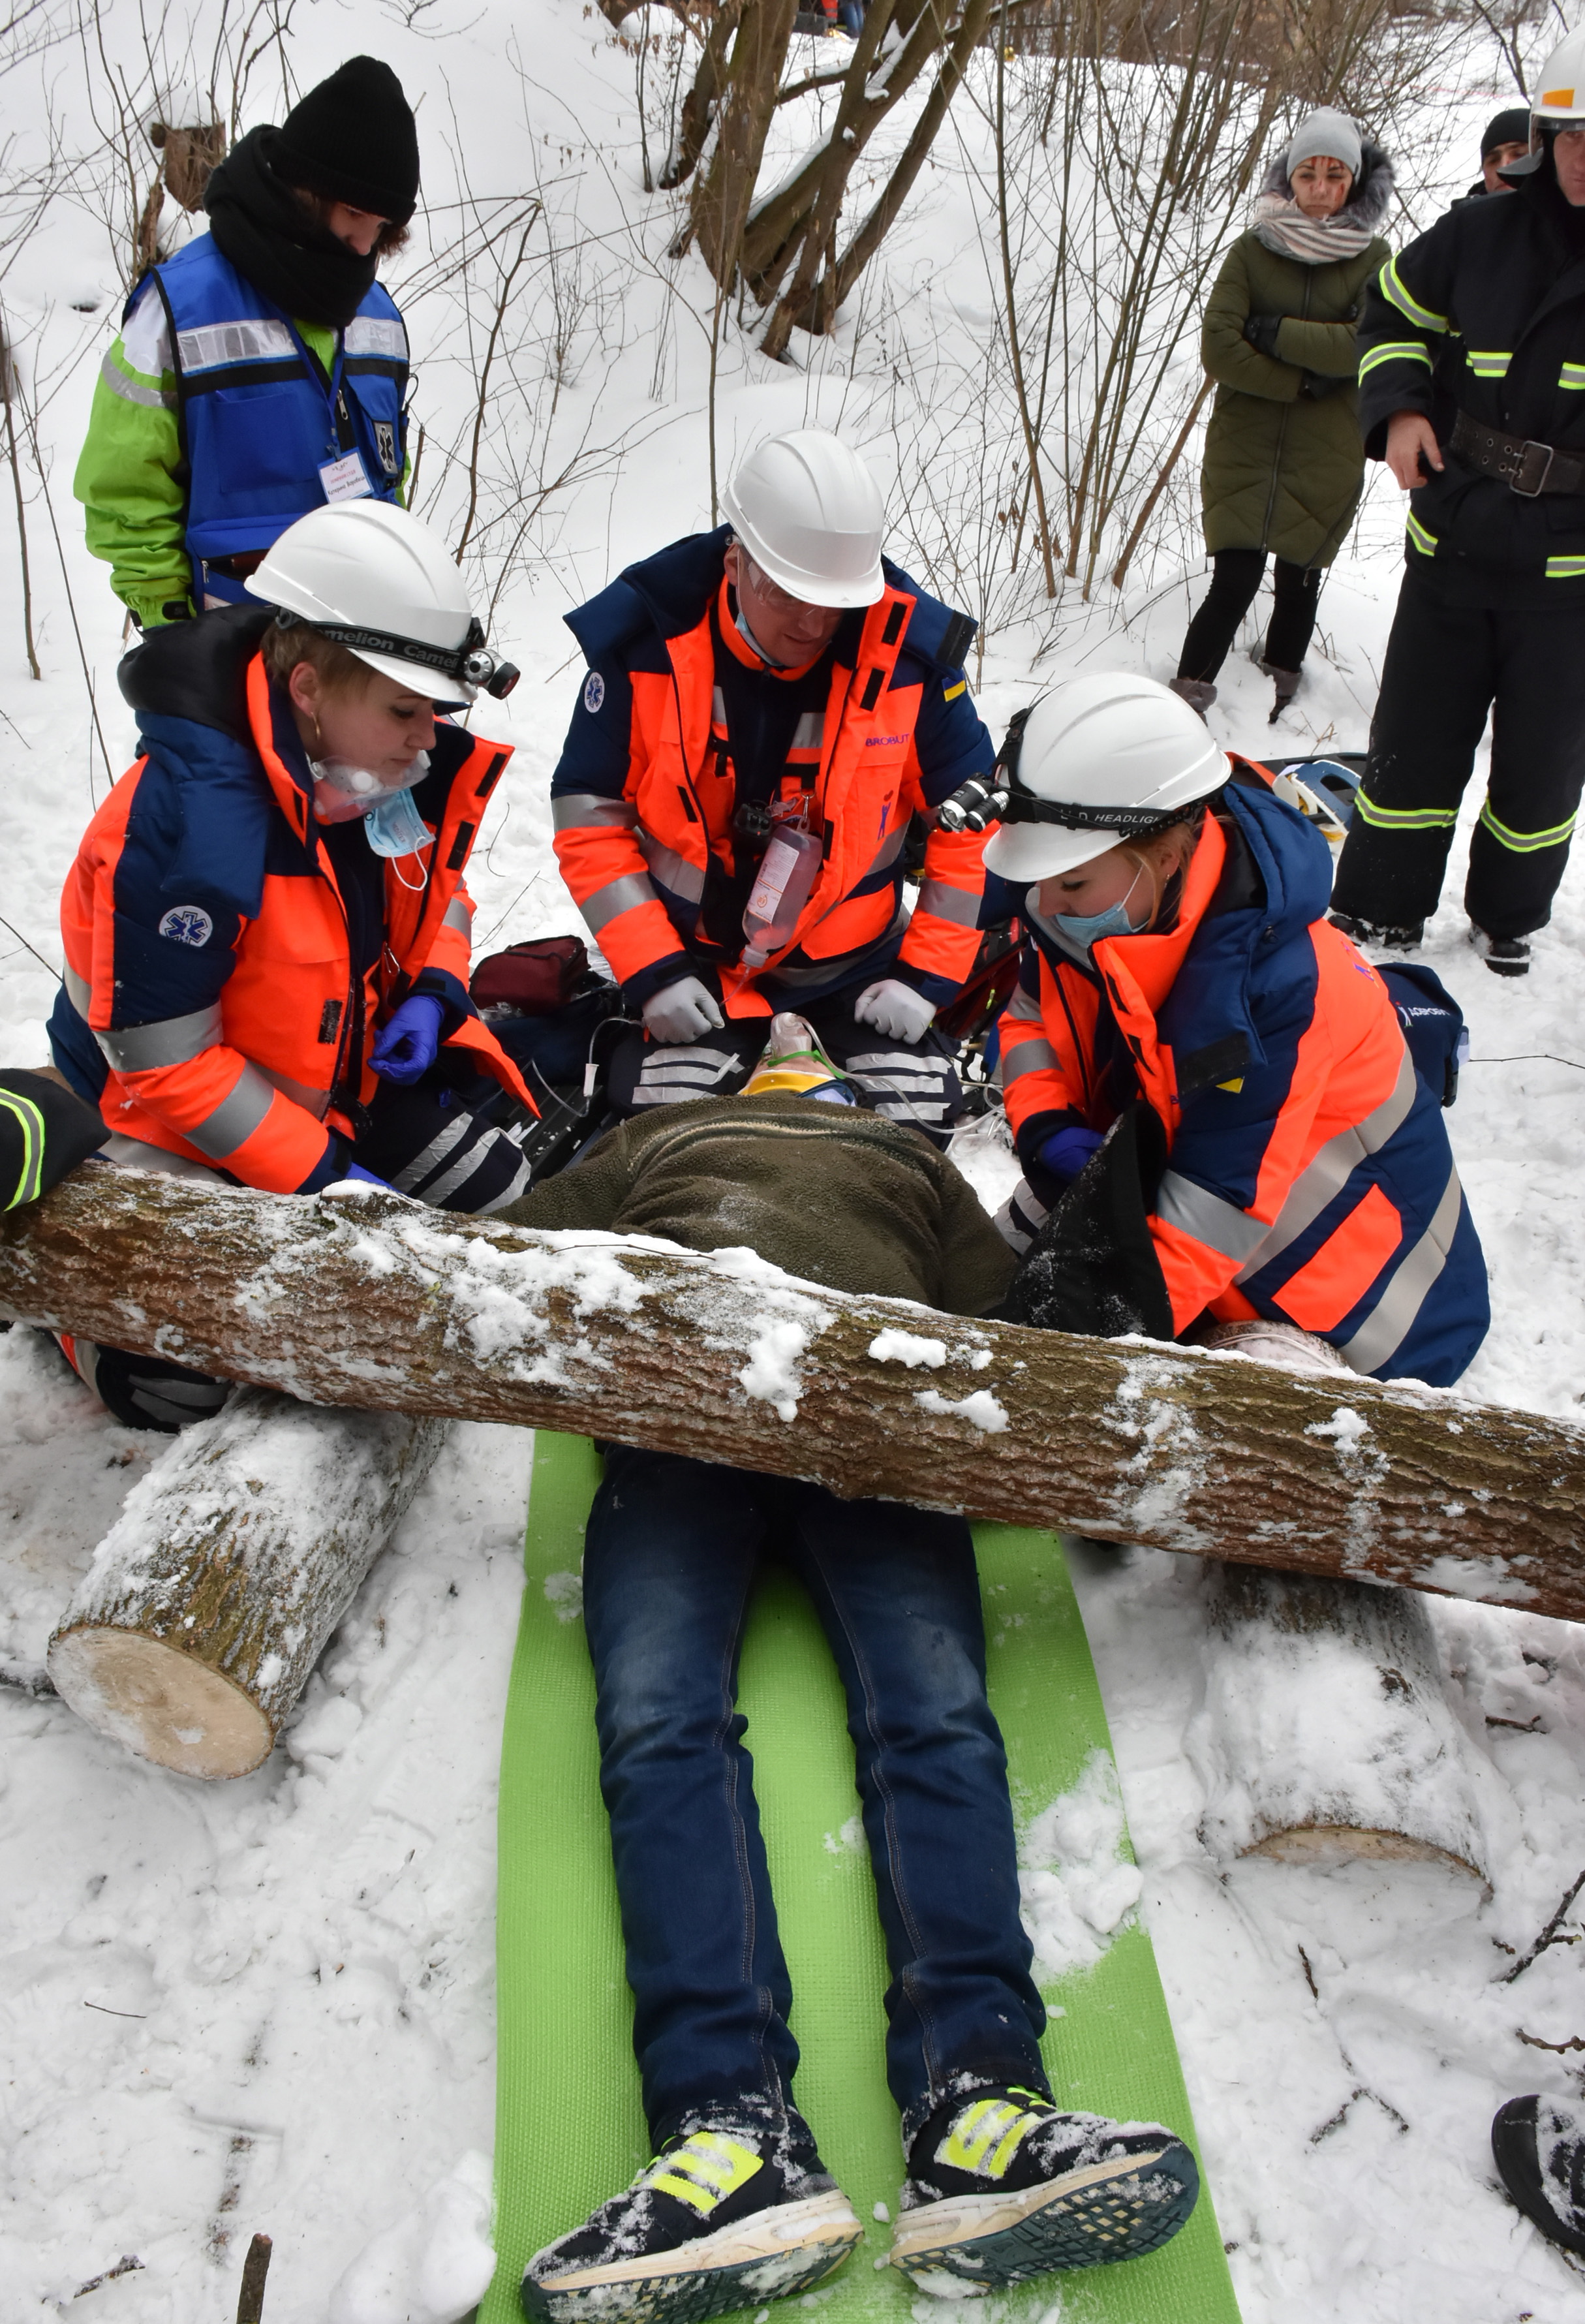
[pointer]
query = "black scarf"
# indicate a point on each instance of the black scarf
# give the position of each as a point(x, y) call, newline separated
point(270, 235)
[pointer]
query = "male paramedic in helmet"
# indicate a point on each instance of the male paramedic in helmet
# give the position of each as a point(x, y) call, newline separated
point(766, 707)
point(266, 930)
point(1185, 982)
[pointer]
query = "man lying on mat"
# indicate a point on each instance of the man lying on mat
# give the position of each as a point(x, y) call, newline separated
point(736, 2207)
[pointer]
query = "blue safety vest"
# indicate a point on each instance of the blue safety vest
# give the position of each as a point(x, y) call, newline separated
point(258, 418)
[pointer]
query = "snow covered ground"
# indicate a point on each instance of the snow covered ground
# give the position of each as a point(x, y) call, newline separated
point(268, 2004)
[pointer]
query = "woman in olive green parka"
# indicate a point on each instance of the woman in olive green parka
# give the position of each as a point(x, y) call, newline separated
point(1283, 461)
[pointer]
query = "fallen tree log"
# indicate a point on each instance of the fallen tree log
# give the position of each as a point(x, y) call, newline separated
point(211, 1598)
point(1326, 1736)
point(376, 1302)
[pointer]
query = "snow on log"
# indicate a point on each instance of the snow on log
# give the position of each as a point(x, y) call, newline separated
point(210, 1599)
point(372, 1301)
point(1326, 1734)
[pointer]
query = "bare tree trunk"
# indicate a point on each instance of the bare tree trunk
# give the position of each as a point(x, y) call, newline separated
point(211, 1598)
point(698, 107)
point(721, 196)
point(380, 1303)
point(1327, 1735)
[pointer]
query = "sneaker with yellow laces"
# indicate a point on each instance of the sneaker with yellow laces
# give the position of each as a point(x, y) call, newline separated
point(1001, 2187)
point(732, 2213)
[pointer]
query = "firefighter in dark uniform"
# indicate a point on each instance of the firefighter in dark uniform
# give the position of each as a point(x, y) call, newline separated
point(1472, 389)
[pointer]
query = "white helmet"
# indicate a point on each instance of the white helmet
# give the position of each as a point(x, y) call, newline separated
point(811, 516)
point(1561, 96)
point(1097, 760)
point(383, 584)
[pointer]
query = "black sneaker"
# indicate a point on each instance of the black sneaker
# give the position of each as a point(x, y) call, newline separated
point(1369, 932)
point(728, 2214)
point(1002, 2187)
point(1503, 955)
point(1539, 2147)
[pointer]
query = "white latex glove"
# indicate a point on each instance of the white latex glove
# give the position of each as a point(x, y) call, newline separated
point(680, 1012)
point(895, 1009)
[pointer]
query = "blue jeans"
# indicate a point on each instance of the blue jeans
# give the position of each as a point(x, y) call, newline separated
point(671, 1556)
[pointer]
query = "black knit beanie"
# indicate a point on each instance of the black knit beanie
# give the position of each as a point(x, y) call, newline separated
point(1509, 128)
point(354, 140)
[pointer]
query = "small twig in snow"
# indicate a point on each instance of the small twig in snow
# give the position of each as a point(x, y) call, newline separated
point(140, 2015)
point(128, 2266)
point(1558, 2049)
point(1548, 1936)
point(1309, 1975)
point(1341, 2115)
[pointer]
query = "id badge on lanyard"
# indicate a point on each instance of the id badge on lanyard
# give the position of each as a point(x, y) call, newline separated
point(344, 477)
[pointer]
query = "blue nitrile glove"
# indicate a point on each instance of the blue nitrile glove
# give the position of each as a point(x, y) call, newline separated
point(1065, 1152)
point(368, 1178)
point(407, 1046)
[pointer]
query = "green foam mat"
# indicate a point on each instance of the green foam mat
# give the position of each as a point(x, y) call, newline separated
point(569, 2128)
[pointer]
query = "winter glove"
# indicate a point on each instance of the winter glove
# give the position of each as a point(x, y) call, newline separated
point(680, 1012)
point(1065, 1152)
point(1261, 331)
point(406, 1048)
point(1319, 385)
point(895, 1009)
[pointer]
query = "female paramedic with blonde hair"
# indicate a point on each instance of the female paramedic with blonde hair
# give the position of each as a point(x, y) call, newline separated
point(1183, 980)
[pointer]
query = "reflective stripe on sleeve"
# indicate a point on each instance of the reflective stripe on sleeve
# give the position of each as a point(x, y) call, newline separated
point(1489, 363)
point(30, 1122)
point(132, 391)
point(1026, 1057)
point(256, 339)
point(673, 870)
point(580, 810)
point(458, 917)
point(1390, 1321)
point(168, 1041)
point(1573, 376)
point(1219, 1225)
point(1421, 536)
point(1395, 350)
point(618, 896)
point(1328, 1170)
point(1391, 283)
point(236, 1117)
point(1024, 1008)
point(77, 990)
point(949, 903)
point(1565, 568)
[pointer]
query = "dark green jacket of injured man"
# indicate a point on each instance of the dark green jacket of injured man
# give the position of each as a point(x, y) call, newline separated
point(831, 1193)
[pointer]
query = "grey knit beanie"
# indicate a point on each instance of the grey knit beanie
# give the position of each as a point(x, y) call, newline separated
point(1324, 131)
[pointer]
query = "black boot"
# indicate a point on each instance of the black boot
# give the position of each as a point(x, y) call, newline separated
point(1503, 955)
point(1538, 2145)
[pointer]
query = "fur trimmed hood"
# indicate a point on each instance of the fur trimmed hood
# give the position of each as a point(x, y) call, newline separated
point(1369, 196)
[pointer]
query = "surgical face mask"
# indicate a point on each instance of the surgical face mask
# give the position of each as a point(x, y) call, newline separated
point(1083, 929)
point(395, 827)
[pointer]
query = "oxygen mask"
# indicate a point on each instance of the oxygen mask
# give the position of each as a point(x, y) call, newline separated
point(793, 1061)
point(344, 791)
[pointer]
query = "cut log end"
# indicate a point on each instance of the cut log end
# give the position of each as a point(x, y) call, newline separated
point(159, 1702)
point(1328, 1845)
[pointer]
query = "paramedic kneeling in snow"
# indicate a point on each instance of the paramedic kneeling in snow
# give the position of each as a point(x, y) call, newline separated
point(1294, 1167)
point(766, 707)
point(266, 930)
point(737, 2206)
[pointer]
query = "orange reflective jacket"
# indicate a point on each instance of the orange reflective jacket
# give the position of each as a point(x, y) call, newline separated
point(1309, 1176)
point(645, 793)
point(206, 938)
